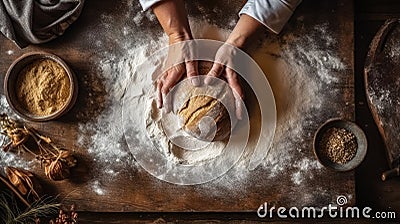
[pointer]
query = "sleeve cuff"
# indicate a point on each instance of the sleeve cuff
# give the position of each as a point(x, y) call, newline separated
point(273, 14)
point(146, 4)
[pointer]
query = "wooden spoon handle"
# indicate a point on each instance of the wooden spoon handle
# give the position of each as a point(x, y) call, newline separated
point(395, 172)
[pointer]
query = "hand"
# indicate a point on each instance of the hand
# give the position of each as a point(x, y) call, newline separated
point(173, 18)
point(224, 54)
point(169, 78)
point(245, 29)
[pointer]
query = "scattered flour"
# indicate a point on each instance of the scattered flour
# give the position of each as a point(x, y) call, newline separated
point(9, 158)
point(392, 47)
point(303, 166)
point(98, 188)
point(395, 51)
point(140, 18)
point(300, 69)
point(297, 178)
point(103, 137)
point(383, 97)
point(106, 142)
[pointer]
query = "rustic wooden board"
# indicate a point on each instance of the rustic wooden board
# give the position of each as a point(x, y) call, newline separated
point(382, 85)
point(138, 191)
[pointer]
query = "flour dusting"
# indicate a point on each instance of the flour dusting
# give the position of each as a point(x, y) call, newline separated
point(393, 49)
point(299, 69)
point(303, 66)
point(98, 188)
point(10, 158)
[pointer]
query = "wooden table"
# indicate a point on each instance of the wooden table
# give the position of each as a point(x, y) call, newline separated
point(139, 191)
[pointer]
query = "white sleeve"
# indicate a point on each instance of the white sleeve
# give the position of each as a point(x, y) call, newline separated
point(146, 4)
point(273, 14)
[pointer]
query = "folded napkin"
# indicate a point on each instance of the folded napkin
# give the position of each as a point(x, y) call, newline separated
point(37, 21)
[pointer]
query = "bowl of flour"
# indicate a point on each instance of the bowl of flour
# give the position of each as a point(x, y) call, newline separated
point(40, 86)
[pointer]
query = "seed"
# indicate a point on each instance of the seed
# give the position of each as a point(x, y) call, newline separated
point(338, 145)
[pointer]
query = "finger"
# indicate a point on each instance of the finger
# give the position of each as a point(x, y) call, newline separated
point(173, 76)
point(215, 72)
point(167, 102)
point(234, 83)
point(238, 107)
point(192, 72)
point(159, 94)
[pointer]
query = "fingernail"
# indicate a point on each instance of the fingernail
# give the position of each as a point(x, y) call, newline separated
point(208, 81)
point(159, 104)
point(196, 81)
point(238, 110)
point(239, 116)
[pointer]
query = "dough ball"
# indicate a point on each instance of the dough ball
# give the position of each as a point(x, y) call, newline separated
point(205, 118)
point(203, 113)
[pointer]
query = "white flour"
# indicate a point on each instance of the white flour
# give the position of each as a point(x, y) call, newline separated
point(106, 143)
point(392, 47)
point(9, 158)
point(383, 98)
point(156, 133)
point(299, 68)
point(10, 52)
point(166, 132)
point(395, 51)
point(98, 188)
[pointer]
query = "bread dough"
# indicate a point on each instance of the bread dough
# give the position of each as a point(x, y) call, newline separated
point(158, 124)
point(199, 105)
point(205, 111)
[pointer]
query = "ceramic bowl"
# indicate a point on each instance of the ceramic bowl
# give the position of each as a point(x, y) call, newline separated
point(361, 144)
point(11, 78)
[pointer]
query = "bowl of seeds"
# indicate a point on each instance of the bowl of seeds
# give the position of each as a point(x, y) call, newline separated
point(40, 86)
point(340, 145)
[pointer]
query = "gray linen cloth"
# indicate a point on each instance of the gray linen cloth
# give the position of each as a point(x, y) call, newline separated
point(37, 21)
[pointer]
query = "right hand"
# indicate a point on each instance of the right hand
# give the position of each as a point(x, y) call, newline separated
point(173, 18)
point(174, 74)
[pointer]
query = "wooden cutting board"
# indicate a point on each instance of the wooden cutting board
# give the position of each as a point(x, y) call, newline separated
point(382, 85)
point(83, 46)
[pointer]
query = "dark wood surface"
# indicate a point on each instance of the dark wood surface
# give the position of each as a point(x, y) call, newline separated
point(138, 191)
point(369, 16)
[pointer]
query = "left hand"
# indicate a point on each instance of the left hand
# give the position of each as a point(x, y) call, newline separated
point(246, 28)
point(221, 71)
